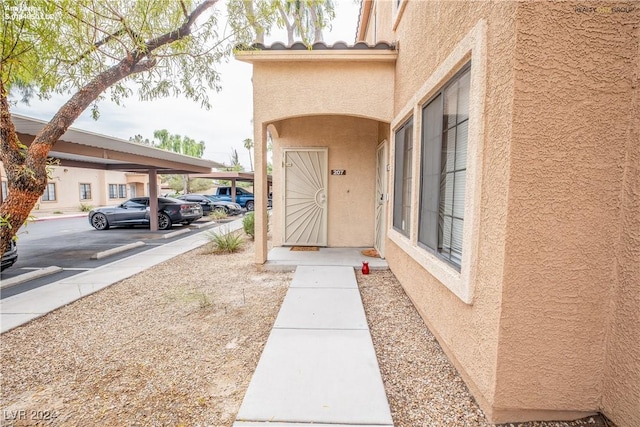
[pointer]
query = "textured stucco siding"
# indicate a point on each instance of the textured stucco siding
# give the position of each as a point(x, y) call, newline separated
point(351, 144)
point(570, 131)
point(428, 32)
point(293, 89)
point(621, 394)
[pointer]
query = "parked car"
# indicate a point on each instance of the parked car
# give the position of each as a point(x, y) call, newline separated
point(211, 203)
point(136, 212)
point(10, 256)
point(243, 197)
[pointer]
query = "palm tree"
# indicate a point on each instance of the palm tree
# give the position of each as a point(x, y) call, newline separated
point(248, 144)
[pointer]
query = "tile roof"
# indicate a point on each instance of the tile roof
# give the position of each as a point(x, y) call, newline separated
point(382, 45)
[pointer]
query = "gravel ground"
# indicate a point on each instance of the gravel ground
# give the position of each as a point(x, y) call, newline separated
point(177, 345)
point(174, 345)
point(423, 387)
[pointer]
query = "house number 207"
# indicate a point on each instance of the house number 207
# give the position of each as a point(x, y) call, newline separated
point(338, 172)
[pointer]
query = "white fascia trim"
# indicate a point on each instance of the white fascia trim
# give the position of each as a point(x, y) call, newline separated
point(471, 47)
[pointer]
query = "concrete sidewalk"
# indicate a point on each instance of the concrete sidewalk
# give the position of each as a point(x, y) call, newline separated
point(21, 308)
point(318, 366)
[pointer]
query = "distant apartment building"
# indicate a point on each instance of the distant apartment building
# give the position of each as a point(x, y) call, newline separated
point(70, 187)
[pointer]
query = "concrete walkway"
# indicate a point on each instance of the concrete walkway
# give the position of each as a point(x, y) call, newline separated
point(318, 366)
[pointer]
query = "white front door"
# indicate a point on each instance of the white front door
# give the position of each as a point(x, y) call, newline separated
point(305, 196)
point(381, 198)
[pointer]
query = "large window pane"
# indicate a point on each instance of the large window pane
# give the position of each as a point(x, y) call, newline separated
point(430, 181)
point(445, 134)
point(397, 179)
point(463, 97)
point(462, 136)
point(403, 177)
point(459, 184)
point(451, 105)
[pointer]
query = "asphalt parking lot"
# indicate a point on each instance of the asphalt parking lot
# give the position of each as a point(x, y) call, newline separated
point(74, 246)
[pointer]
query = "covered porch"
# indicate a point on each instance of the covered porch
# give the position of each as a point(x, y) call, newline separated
point(327, 113)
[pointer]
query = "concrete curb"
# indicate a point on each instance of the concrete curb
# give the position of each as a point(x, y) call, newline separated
point(117, 250)
point(47, 218)
point(176, 233)
point(36, 274)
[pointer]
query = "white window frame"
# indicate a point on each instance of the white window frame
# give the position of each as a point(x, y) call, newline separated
point(122, 191)
point(47, 190)
point(90, 191)
point(113, 195)
point(471, 48)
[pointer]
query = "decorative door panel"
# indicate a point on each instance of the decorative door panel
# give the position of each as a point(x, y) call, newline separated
point(305, 197)
point(381, 196)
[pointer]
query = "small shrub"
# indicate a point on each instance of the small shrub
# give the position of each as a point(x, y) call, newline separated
point(249, 223)
point(188, 297)
point(58, 212)
point(84, 207)
point(201, 298)
point(218, 214)
point(225, 242)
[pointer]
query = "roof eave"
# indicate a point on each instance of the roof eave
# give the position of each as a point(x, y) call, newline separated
point(365, 55)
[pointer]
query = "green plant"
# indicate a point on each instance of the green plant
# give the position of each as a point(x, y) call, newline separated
point(84, 207)
point(249, 223)
point(58, 212)
point(218, 214)
point(190, 296)
point(225, 242)
point(201, 298)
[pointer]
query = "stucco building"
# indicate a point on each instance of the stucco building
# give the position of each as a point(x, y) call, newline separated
point(490, 152)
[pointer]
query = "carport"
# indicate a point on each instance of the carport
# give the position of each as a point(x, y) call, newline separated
point(83, 149)
point(233, 177)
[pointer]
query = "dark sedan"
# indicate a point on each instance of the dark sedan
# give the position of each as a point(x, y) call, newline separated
point(10, 256)
point(210, 203)
point(136, 212)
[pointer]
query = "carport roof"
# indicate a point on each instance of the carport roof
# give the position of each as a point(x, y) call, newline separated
point(229, 175)
point(80, 148)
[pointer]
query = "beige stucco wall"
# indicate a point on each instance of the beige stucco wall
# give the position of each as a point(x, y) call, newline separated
point(351, 144)
point(292, 89)
point(571, 128)
point(621, 394)
point(468, 333)
point(67, 182)
point(533, 344)
point(552, 329)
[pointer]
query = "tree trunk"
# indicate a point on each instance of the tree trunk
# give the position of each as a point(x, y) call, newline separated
point(27, 167)
point(289, 26)
point(251, 16)
point(317, 28)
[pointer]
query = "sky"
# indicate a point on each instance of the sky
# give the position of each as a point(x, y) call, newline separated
point(223, 128)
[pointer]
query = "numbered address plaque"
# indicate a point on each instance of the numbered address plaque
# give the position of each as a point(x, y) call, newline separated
point(338, 172)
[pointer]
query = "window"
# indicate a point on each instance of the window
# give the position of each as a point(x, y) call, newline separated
point(49, 194)
point(445, 134)
point(136, 203)
point(113, 191)
point(402, 178)
point(85, 191)
point(122, 191)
